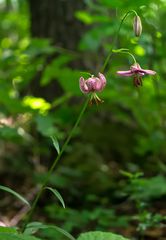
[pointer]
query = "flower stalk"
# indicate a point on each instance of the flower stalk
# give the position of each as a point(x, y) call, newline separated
point(116, 38)
point(88, 86)
point(30, 214)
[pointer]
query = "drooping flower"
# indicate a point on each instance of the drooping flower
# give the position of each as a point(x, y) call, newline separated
point(137, 72)
point(93, 85)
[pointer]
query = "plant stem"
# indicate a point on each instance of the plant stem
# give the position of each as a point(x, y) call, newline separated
point(30, 214)
point(116, 38)
point(130, 55)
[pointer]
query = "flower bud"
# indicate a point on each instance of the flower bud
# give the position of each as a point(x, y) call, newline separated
point(137, 26)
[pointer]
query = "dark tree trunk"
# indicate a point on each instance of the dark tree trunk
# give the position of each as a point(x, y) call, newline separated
point(55, 20)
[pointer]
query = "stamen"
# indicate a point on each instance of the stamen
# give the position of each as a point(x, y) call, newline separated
point(95, 98)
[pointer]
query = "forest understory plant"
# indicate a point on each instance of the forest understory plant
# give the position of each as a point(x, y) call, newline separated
point(90, 87)
point(145, 218)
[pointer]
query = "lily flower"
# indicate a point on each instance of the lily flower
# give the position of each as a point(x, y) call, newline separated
point(137, 72)
point(93, 85)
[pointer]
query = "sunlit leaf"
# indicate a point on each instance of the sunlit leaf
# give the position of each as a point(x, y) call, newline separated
point(84, 17)
point(39, 104)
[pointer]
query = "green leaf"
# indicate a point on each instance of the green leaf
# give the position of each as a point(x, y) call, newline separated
point(17, 195)
point(97, 235)
point(84, 17)
point(57, 194)
point(145, 189)
point(64, 232)
point(35, 226)
point(45, 125)
point(55, 66)
point(87, 74)
point(12, 236)
point(8, 230)
point(55, 143)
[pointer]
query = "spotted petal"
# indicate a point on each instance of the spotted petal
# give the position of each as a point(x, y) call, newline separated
point(91, 84)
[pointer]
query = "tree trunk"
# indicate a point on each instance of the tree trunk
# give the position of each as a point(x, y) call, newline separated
point(55, 19)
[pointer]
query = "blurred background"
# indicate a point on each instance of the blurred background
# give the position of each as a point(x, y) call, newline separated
point(112, 175)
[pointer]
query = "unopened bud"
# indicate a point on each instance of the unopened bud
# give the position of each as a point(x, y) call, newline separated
point(137, 26)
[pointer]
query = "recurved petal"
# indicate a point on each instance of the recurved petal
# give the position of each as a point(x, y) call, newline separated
point(125, 73)
point(99, 85)
point(102, 79)
point(83, 86)
point(148, 72)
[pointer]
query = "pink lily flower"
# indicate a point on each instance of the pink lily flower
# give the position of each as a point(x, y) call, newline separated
point(137, 72)
point(93, 85)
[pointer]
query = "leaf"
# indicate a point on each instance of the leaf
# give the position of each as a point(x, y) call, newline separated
point(35, 226)
point(84, 17)
point(144, 189)
point(12, 236)
point(8, 230)
point(57, 194)
point(87, 74)
point(97, 235)
point(17, 195)
point(45, 125)
point(55, 143)
point(55, 66)
point(64, 232)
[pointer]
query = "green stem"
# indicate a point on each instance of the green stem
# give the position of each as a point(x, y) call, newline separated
point(30, 214)
point(130, 55)
point(116, 38)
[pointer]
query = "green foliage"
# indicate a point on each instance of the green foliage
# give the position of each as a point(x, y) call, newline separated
point(7, 233)
point(72, 219)
point(35, 226)
point(32, 228)
point(8, 230)
point(148, 189)
point(40, 97)
point(148, 220)
point(100, 236)
point(10, 236)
